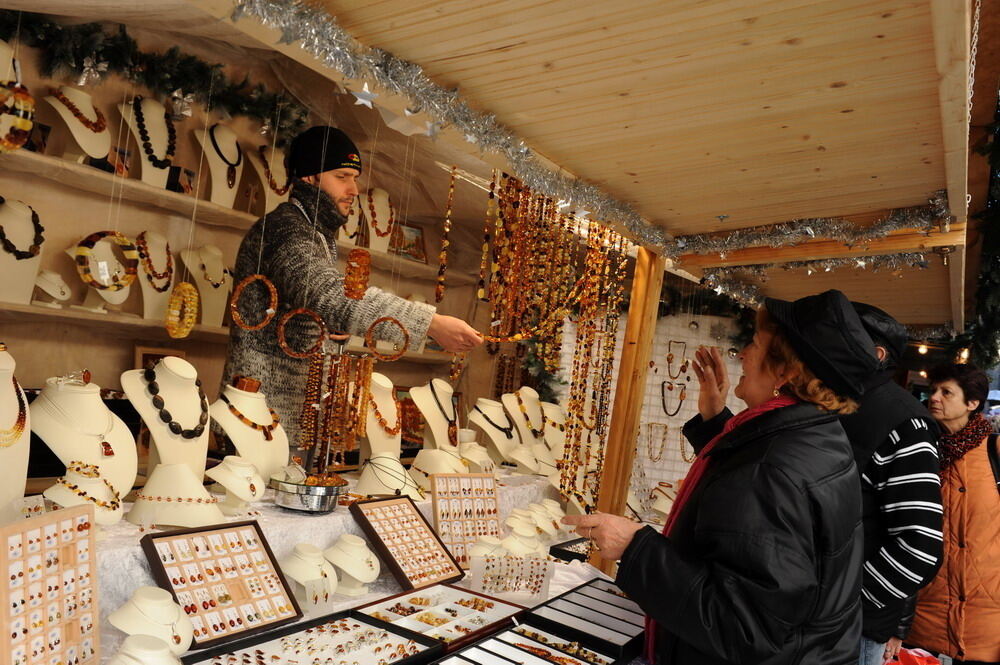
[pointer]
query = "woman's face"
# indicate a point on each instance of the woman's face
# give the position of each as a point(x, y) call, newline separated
point(948, 406)
point(758, 382)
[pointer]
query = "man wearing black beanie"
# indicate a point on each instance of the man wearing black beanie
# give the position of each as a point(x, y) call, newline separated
point(295, 247)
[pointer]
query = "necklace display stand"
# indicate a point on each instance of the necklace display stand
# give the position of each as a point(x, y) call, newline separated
point(523, 539)
point(314, 577)
point(154, 303)
point(440, 414)
point(104, 266)
point(556, 512)
point(664, 495)
point(153, 114)
point(76, 425)
point(543, 525)
point(208, 270)
point(487, 546)
point(503, 440)
point(268, 456)
point(545, 463)
point(176, 378)
point(144, 650)
point(174, 496)
point(383, 214)
point(544, 519)
point(381, 471)
point(52, 290)
point(17, 277)
point(89, 491)
point(224, 157)
point(152, 611)
point(478, 457)
point(13, 455)
point(275, 158)
point(242, 482)
point(555, 428)
point(88, 143)
point(358, 565)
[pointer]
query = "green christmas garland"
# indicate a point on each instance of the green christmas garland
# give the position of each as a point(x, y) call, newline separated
point(90, 50)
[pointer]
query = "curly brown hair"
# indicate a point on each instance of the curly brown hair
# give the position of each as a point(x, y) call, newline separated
point(803, 384)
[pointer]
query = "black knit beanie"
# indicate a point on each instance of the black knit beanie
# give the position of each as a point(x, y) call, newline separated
point(320, 149)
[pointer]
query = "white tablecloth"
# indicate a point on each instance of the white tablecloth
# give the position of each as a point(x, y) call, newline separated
point(122, 566)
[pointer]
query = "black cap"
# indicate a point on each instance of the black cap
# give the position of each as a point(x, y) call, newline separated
point(884, 330)
point(829, 338)
point(320, 149)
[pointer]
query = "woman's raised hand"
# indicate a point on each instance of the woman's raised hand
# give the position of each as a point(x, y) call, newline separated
point(713, 381)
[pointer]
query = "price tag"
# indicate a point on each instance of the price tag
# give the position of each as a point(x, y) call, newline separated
point(104, 272)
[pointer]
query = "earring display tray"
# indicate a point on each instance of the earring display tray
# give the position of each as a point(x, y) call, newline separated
point(527, 645)
point(226, 579)
point(465, 509)
point(597, 615)
point(513, 577)
point(343, 638)
point(447, 613)
point(577, 549)
point(405, 541)
point(50, 597)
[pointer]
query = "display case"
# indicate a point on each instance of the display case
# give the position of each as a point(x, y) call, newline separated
point(527, 645)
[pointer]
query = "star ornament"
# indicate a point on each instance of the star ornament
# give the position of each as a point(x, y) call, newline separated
point(365, 97)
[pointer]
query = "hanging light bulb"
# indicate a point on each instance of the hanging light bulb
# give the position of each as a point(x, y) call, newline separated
point(923, 373)
point(963, 355)
point(922, 349)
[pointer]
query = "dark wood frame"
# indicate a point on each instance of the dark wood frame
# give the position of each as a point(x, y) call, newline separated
point(358, 511)
point(148, 544)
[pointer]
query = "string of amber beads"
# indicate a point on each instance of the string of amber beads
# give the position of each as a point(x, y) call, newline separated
point(182, 310)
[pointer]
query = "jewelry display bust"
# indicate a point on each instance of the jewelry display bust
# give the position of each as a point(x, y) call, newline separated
point(105, 269)
point(213, 280)
point(84, 485)
point(87, 125)
point(441, 452)
point(664, 495)
point(358, 565)
point(52, 290)
point(15, 421)
point(315, 577)
point(477, 456)
point(269, 164)
point(544, 520)
point(555, 428)
point(543, 526)
point(381, 471)
point(242, 482)
point(525, 411)
point(174, 496)
point(17, 275)
point(75, 423)
point(263, 442)
point(224, 157)
point(144, 650)
point(487, 546)
point(523, 539)
point(556, 511)
point(154, 122)
point(503, 439)
point(152, 611)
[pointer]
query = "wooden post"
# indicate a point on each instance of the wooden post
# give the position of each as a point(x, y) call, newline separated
point(630, 388)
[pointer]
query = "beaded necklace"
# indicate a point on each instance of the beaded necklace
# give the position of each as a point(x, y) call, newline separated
point(263, 429)
point(662, 442)
point(9, 437)
point(97, 126)
point(668, 386)
point(147, 147)
point(670, 359)
point(147, 264)
point(230, 166)
point(508, 430)
point(371, 209)
point(535, 432)
point(452, 419)
point(36, 243)
point(153, 387)
point(90, 471)
point(382, 421)
point(280, 191)
point(445, 242)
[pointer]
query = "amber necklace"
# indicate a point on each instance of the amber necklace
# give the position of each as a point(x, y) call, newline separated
point(97, 126)
point(263, 429)
point(382, 421)
point(662, 441)
point(371, 209)
point(280, 191)
point(54, 409)
point(452, 419)
point(147, 146)
point(670, 359)
point(174, 636)
point(9, 437)
point(230, 166)
point(36, 244)
point(147, 264)
point(535, 432)
point(508, 430)
point(668, 386)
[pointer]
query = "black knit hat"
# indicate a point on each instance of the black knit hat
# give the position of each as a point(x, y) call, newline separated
point(884, 330)
point(829, 338)
point(320, 149)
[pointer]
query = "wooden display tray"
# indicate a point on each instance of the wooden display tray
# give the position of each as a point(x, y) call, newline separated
point(412, 538)
point(596, 617)
point(457, 642)
point(433, 649)
point(51, 606)
point(243, 569)
point(461, 517)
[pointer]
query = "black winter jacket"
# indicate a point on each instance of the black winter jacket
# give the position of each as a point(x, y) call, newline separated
point(764, 563)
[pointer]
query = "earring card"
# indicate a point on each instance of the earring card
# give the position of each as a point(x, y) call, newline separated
point(465, 508)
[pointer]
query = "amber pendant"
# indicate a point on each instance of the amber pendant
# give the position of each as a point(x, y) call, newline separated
point(453, 433)
point(253, 488)
point(177, 638)
point(268, 436)
point(231, 176)
point(106, 449)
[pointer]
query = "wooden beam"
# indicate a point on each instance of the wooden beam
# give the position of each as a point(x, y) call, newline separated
point(956, 287)
point(630, 388)
point(951, 24)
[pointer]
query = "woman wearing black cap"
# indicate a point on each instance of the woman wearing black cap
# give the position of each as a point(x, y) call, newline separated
point(762, 556)
point(295, 247)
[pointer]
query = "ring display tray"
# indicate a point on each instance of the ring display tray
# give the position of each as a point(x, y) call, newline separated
point(405, 541)
point(225, 578)
point(343, 638)
point(465, 509)
point(448, 613)
point(572, 550)
point(50, 596)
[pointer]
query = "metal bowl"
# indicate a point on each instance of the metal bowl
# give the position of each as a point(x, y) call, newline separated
point(306, 498)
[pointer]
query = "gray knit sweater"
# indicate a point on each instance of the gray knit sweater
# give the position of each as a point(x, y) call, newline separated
point(298, 253)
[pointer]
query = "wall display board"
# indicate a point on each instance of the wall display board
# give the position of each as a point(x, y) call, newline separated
point(405, 541)
point(225, 578)
point(453, 615)
point(50, 594)
point(465, 509)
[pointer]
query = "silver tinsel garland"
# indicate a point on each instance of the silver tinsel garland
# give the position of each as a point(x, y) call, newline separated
point(927, 333)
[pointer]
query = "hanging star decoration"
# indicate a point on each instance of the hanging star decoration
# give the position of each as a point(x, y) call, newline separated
point(181, 105)
point(365, 97)
point(580, 213)
point(432, 129)
point(92, 71)
point(471, 138)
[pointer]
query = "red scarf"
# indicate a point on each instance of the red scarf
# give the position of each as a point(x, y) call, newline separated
point(694, 476)
point(954, 446)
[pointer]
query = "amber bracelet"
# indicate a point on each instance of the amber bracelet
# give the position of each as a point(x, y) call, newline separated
point(175, 499)
point(358, 271)
point(272, 304)
point(182, 310)
point(370, 339)
point(20, 108)
point(283, 342)
point(85, 248)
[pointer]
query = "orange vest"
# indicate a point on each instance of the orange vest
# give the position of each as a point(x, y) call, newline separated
point(958, 613)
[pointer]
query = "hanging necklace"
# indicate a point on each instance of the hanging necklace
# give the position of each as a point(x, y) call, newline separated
point(174, 636)
point(683, 448)
point(97, 126)
point(280, 191)
point(371, 209)
point(54, 409)
point(9, 437)
point(658, 455)
point(147, 264)
point(407, 481)
point(215, 283)
point(263, 429)
point(537, 433)
point(382, 421)
point(231, 166)
point(147, 147)
point(666, 386)
point(670, 359)
point(175, 427)
point(36, 244)
point(508, 430)
point(452, 419)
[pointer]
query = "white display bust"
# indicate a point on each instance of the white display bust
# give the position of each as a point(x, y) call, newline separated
point(487, 546)
point(495, 420)
point(144, 650)
point(213, 281)
point(224, 157)
point(91, 143)
point(378, 199)
point(557, 513)
point(90, 488)
point(441, 452)
point(253, 445)
point(14, 456)
point(154, 302)
point(315, 577)
point(152, 611)
point(179, 388)
point(154, 115)
point(478, 457)
point(381, 471)
point(53, 290)
point(555, 428)
point(104, 266)
point(544, 520)
point(75, 423)
point(189, 505)
point(523, 539)
point(242, 482)
point(17, 276)
point(358, 565)
point(664, 495)
point(275, 160)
